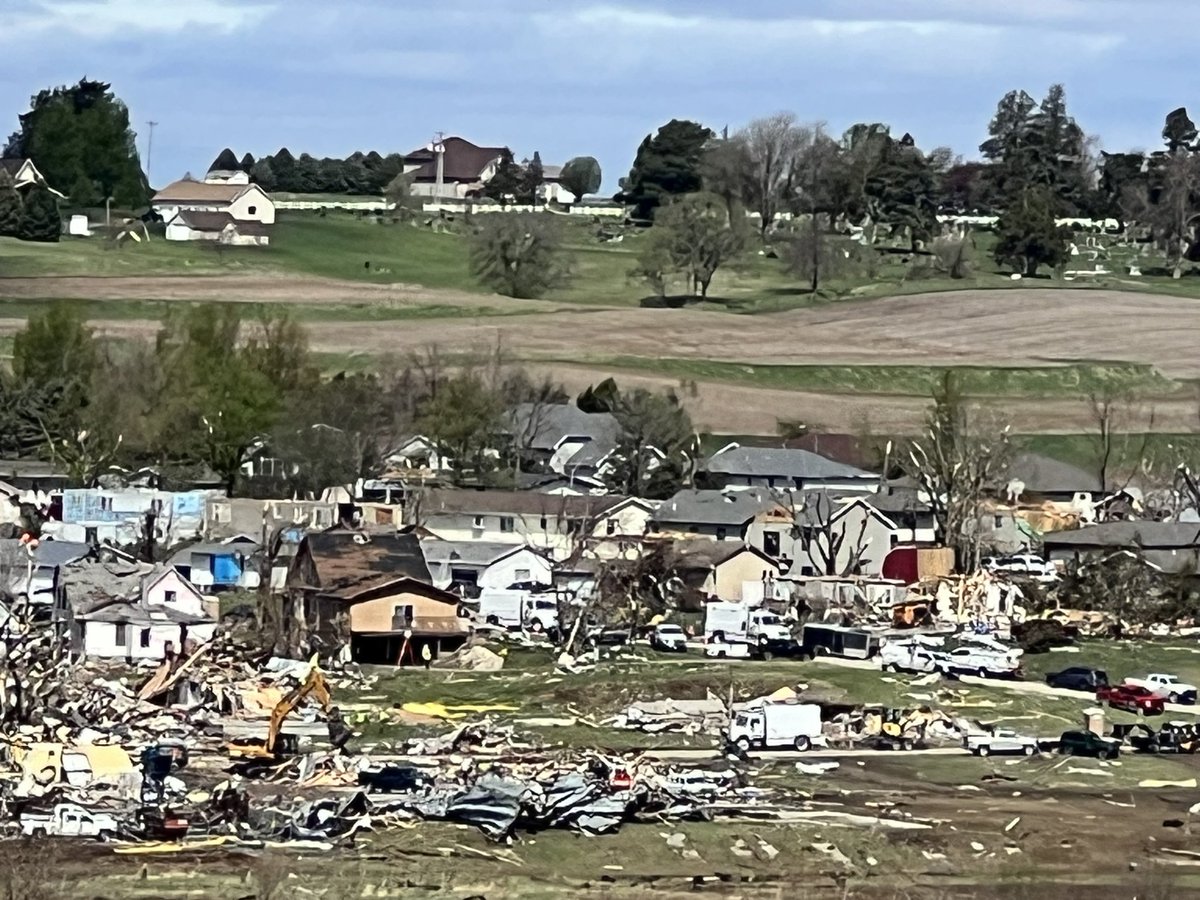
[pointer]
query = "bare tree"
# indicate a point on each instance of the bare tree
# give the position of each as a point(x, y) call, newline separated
point(1118, 415)
point(827, 534)
point(961, 456)
point(774, 149)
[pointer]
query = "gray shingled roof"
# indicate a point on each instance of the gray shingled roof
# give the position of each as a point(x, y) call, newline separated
point(1044, 475)
point(591, 454)
point(543, 426)
point(772, 462)
point(691, 507)
point(49, 553)
point(1128, 534)
point(467, 553)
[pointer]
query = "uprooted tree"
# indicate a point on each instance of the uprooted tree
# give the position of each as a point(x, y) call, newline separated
point(961, 456)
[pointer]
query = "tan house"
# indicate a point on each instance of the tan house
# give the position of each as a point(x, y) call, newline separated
point(715, 570)
point(373, 591)
point(229, 212)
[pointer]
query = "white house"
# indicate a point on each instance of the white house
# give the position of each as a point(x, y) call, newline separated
point(472, 564)
point(168, 614)
point(25, 174)
point(226, 211)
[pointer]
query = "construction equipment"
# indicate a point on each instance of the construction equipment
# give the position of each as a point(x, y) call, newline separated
point(274, 746)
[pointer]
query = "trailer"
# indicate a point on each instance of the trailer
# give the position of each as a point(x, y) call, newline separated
point(838, 640)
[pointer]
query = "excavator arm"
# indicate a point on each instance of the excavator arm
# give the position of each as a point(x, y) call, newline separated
point(314, 684)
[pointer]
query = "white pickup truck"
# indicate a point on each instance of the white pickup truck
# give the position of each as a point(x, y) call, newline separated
point(1169, 687)
point(1000, 740)
point(985, 660)
point(69, 820)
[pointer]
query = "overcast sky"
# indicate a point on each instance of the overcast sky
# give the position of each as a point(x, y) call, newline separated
point(571, 77)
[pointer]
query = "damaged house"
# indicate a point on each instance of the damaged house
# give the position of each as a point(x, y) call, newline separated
point(1170, 547)
point(161, 615)
point(711, 570)
point(842, 535)
point(373, 595)
point(758, 518)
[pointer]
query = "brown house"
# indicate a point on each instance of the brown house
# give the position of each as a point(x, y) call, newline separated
point(375, 592)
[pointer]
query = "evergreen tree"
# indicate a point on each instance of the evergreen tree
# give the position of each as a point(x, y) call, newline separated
point(903, 190)
point(667, 164)
point(247, 163)
point(1027, 236)
point(262, 174)
point(10, 206)
point(226, 161)
point(283, 164)
point(84, 193)
point(531, 180)
point(507, 181)
point(82, 130)
point(40, 220)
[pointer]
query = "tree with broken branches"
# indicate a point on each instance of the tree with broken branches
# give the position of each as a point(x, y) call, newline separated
point(961, 456)
point(827, 534)
point(1122, 434)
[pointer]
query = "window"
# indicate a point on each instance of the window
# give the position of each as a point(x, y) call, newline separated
point(252, 209)
point(521, 576)
point(402, 617)
point(91, 536)
point(122, 634)
point(771, 543)
point(169, 596)
point(721, 533)
point(610, 526)
point(506, 524)
point(221, 513)
point(145, 637)
point(998, 521)
point(478, 522)
point(106, 503)
point(770, 482)
point(542, 523)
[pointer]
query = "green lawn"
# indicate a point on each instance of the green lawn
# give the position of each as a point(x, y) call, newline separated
point(982, 381)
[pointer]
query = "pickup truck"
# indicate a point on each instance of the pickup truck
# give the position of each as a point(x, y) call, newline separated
point(1169, 687)
point(982, 661)
point(69, 820)
point(668, 638)
point(1000, 740)
point(1132, 698)
point(1078, 678)
point(1087, 743)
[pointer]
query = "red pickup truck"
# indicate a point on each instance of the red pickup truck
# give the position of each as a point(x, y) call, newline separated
point(1133, 698)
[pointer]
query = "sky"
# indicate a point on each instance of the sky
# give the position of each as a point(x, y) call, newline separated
point(578, 77)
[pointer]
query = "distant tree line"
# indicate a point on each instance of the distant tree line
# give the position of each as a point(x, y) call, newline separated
point(368, 174)
point(215, 389)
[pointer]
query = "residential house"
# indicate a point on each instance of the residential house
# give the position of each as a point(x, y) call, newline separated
point(842, 535)
point(117, 515)
point(711, 570)
point(466, 567)
point(227, 212)
point(452, 168)
point(735, 466)
point(760, 519)
point(163, 616)
point(1172, 547)
point(552, 483)
point(1038, 494)
point(41, 583)
point(909, 511)
point(24, 174)
point(552, 189)
point(374, 594)
point(214, 567)
point(849, 449)
point(1033, 478)
point(551, 434)
point(417, 457)
point(560, 525)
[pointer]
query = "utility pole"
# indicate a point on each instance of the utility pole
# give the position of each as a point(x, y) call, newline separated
point(440, 149)
point(149, 148)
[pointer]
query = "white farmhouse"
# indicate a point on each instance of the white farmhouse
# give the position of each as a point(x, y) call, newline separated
point(167, 614)
point(232, 212)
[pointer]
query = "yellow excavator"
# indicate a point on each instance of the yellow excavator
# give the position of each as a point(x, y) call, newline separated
point(272, 748)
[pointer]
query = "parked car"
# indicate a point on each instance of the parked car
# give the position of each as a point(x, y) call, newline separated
point(787, 648)
point(981, 660)
point(1078, 678)
point(907, 656)
point(727, 649)
point(606, 637)
point(1169, 687)
point(1132, 699)
point(1000, 740)
point(1088, 743)
point(669, 638)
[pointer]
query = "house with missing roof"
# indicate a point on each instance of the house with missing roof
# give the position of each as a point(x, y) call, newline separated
point(736, 466)
point(162, 615)
point(467, 567)
point(371, 595)
point(230, 211)
point(756, 518)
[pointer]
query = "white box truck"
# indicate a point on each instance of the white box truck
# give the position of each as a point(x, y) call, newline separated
point(794, 726)
point(518, 610)
point(739, 622)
